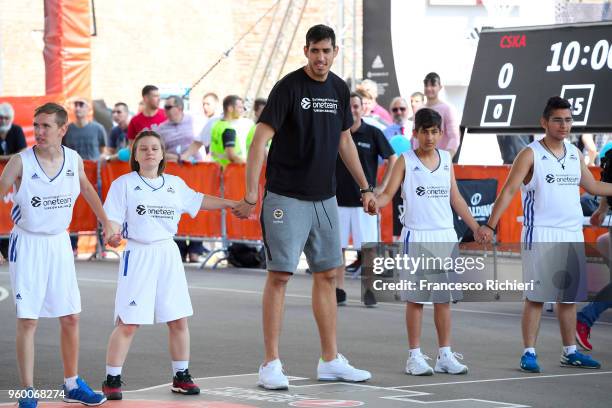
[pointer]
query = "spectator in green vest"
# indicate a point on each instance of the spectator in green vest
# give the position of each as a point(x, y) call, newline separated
point(224, 146)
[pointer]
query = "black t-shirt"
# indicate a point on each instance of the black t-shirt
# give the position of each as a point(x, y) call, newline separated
point(371, 144)
point(14, 142)
point(307, 117)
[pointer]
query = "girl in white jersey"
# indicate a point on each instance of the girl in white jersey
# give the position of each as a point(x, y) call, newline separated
point(429, 190)
point(146, 205)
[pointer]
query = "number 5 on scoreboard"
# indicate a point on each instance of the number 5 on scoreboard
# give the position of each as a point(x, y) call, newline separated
point(579, 96)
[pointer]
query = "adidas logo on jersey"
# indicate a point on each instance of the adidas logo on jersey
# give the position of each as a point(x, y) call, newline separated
point(69, 173)
point(133, 303)
point(18, 297)
point(137, 188)
point(170, 190)
point(416, 168)
point(544, 158)
point(35, 176)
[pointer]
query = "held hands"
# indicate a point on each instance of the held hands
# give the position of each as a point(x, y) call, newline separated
point(112, 235)
point(243, 208)
point(369, 203)
point(598, 217)
point(483, 235)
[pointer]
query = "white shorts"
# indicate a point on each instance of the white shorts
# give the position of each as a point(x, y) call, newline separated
point(42, 272)
point(151, 283)
point(356, 223)
point(544, 258)
point(429, 243)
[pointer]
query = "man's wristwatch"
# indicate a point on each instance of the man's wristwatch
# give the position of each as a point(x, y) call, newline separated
point(370, 189)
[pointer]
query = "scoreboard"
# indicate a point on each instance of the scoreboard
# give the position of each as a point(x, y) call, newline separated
point(516, 70)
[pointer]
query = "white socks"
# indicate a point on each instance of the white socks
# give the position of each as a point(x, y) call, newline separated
point(71, 383)
point(567, 350)
point(179, 366)
point(114, 371)
point(415, 352)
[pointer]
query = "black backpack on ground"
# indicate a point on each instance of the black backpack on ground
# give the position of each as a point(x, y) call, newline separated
point(246, 256)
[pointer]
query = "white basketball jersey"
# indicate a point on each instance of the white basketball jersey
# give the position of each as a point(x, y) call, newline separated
point(426, 193)
point(150, 210)
point(552, 196)
point(44, 203)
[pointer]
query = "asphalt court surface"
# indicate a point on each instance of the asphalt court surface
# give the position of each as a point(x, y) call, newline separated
point(227, 348)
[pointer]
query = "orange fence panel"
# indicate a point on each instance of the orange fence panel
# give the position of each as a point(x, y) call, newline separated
point(234, 186)
point(83, 218)
point(6, 203)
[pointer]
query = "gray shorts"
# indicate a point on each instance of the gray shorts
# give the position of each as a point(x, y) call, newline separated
point(291, 226)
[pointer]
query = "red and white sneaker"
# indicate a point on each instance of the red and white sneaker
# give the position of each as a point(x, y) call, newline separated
point(182, 383)
point(583, 333)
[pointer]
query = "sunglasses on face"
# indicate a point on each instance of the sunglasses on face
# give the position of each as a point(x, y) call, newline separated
point(79, 104)
point(397, 109)
point(168, 107)
point(4, 118)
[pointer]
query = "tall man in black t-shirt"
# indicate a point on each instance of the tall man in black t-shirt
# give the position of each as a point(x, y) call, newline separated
point(371, 145)
point(308, 115)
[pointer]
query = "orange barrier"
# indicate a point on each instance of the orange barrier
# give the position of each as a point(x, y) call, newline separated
point(234, 187)
point(6, 203)
point(202, 177)
point(207, 178)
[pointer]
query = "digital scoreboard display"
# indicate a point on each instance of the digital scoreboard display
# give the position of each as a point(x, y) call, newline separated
point(516, 70)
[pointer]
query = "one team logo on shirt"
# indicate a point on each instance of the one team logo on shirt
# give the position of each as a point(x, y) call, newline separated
point(170, 190)
point(35, 201)
point(69, 173)
point(420, 190)
point(563, 179)
point(320, 105)
point(305, 103)
point(550, 178)
point(35, 176)
point(141, 209)
point(432, 191)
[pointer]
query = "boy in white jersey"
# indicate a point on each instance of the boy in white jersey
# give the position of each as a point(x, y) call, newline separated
point(48, 178)
point(147, 205)
point(429, 191)
point(549, 173)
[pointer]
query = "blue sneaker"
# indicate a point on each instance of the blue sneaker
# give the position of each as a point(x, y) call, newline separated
point(579, 360)
point(28, 402)
point(83, 394)
point(529, 363)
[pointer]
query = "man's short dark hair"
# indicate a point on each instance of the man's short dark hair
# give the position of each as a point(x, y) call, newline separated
point(123, 105)
point(426, 118)
point(50, 108)
point(356, 95)
point(431, 78)
point(553, 103)
point(259, 102)
point(230, 100)
point(148, 89)
point(320, 32)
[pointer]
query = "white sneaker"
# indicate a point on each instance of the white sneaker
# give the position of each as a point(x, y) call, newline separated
point(271, 376)
point(340, 369)
point(416, 365)
point(448, 364)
